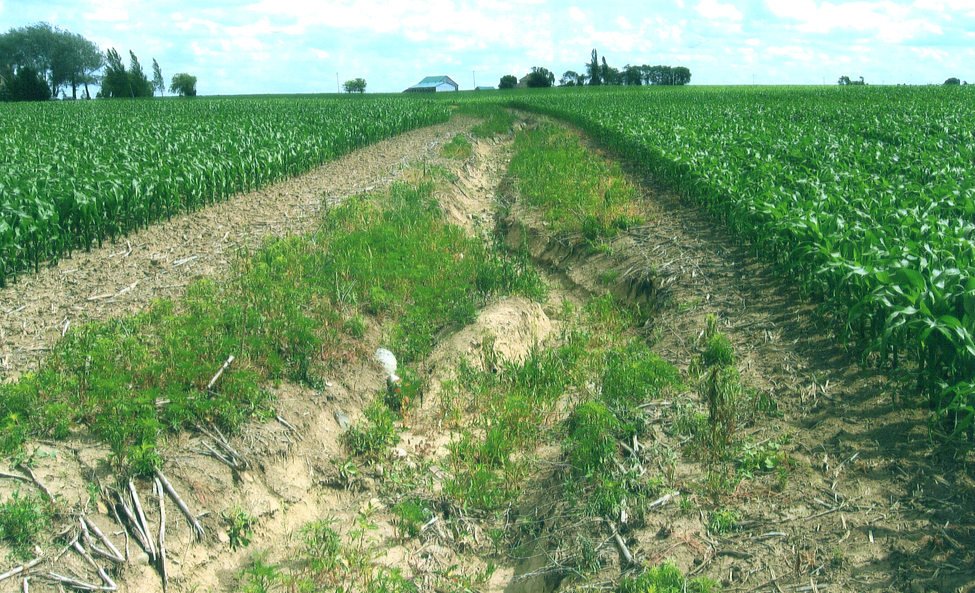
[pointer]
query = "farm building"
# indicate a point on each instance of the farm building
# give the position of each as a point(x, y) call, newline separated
point(433, 84)
point(484, 88)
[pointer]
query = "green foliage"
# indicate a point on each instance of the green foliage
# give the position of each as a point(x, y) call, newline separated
point(723, 521)
point(635, 375)
point(240, 527)
point(763, 458)
point(411, 515)
point(21, 520)
point(356, 85)
point(718, 352)
point(183, 84)
point(664, 578)
point(407, 265)
point(378, 434)
point(121, 83)
point(497, 119)
point(57, 58)
point(508, 81)
point(559, 176)
point(723, 395)
point(459, 147)
point(592, 443)
point(26, 85)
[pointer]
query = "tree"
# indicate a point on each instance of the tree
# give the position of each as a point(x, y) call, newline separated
point(539, 78)
point(158, 84)
point(680, 75)
point(572, 78)
point(141, 87)
point(183, 85)
point(632, 75)
point(508, 81)
point(357, 85)
point(121, 83)
point(60, 57)
point(26, 85)
point(115, 82)
point(594, 71)
point(609, 74)
point(952, 81)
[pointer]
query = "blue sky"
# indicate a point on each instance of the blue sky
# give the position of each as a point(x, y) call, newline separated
point(299, 46)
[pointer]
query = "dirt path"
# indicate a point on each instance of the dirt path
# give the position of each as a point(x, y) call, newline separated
point(866, 504)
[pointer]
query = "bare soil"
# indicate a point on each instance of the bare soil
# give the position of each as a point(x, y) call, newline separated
point(870, 501)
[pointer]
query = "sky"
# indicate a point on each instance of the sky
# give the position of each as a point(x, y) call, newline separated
point(312, 46)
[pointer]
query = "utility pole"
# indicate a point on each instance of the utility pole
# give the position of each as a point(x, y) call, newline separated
point(337, 83)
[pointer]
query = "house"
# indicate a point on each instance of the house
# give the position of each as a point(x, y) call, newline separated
point(433, 84)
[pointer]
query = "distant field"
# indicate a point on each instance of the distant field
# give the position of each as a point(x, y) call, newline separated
point(75, 173)
point(865, 196)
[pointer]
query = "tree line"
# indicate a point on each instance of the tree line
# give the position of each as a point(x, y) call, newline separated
point(600, 73)
point(40, 61)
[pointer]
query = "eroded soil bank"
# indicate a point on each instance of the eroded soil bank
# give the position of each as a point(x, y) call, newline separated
point(866, 502)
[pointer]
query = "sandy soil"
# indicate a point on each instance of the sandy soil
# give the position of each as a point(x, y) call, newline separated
point(870, 502)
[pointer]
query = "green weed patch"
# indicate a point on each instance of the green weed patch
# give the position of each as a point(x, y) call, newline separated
point(577, 192)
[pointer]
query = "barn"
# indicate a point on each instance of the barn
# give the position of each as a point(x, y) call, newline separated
point(433, 84)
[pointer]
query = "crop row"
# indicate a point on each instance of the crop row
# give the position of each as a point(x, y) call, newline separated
point(75, 174)
point(864, 196)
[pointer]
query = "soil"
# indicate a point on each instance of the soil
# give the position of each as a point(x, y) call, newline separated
point(869, 501)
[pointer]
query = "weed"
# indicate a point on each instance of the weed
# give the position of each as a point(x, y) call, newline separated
point(260, 577)
point(459, 147)
point(635, 375)
point(21, 519)
point(718, 351)
point(378, 435)
point(723, 521)
point(665, 578)
point(405, 392)
point(765, 457)
point(497, 120)
point(240, 528)
point(576, 191)
point(591, 443)
point(722, 392)
point(411, 516)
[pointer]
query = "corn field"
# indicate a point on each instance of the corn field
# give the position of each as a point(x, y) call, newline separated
point(863, 196)
point(73, 174)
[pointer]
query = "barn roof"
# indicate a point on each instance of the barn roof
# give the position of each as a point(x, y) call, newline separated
point(433, 81)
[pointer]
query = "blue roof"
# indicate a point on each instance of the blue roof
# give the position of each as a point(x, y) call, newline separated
point(434, 81)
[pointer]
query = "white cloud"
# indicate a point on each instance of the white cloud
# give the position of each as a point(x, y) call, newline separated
point(191, 23)
point(107, 11)
point(792, 51)
point(931, 53)
point(320, 54)
point(712, 9)
point(889, 21)
point(753, 41)
point(947, 6)
point(576, 14)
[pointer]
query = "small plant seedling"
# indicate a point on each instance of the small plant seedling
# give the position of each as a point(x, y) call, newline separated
point(240, 527)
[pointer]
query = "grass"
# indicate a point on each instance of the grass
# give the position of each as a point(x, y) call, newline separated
point(459, 147)
point(289, 308)
point(577, 192)
point(22, 519)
